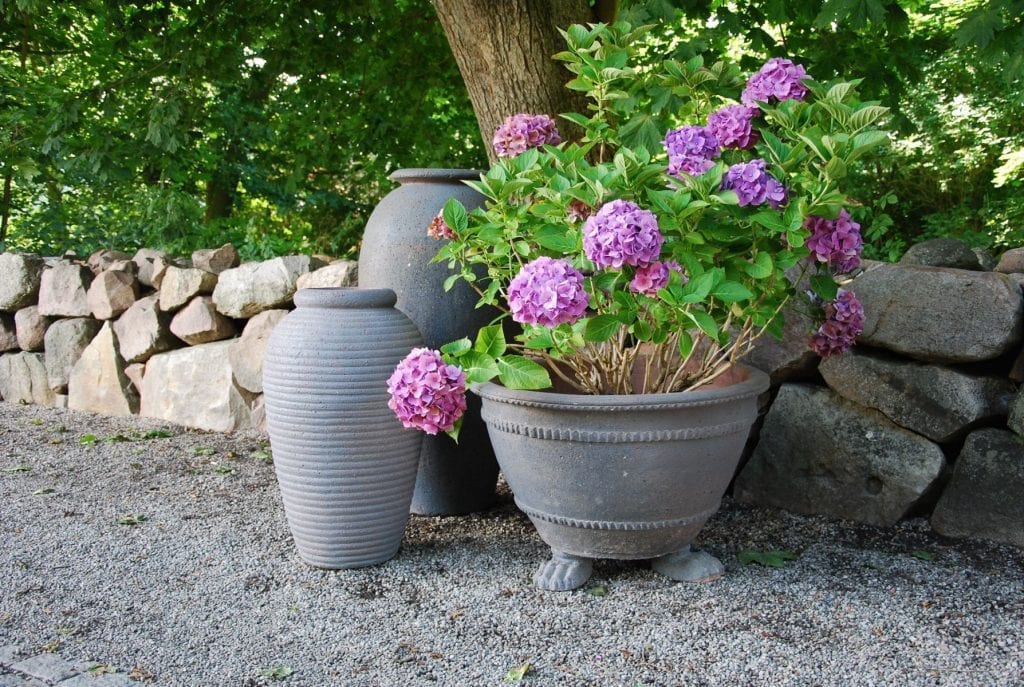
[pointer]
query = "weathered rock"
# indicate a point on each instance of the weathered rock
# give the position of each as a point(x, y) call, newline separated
point(938, 314)
point(1017, 369)
point(987, 261)
point(216, 260)
point(31, 328)
point(258, 414)
point(257, 286)
point(135, 372)
point(143, 331)
point(98, 382)
point(788, 359)
point(23, 379)
point(1015, 421)
point(63, 291)
point(20, 276)
point(983, 497)
point(8, 333)
point(160, 266)
point(943, 252)
point(936, 401)
point(102, 259)
point(199, 323)
point(1011, 261)
point(246, 354)
point(126, 266)
point(145, 262)
point(181, 284)
point(193, 386)
point(819, 453)
point(111, 293)
point(64, 342)
point(340, 273)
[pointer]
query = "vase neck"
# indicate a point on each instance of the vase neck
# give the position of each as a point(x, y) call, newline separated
point(345, 297)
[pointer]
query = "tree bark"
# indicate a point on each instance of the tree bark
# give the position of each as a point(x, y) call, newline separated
point(504, 48)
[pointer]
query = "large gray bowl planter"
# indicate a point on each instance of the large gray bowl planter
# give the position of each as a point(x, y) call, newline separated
point(453, 478)
point(345, 464)
point(625, 477)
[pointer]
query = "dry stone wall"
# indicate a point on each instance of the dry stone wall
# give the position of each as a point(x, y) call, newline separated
point(176, 339)
point(924, 417)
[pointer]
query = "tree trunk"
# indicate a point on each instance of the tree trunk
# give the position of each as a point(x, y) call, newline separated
point(504, 48)
point(220, 196)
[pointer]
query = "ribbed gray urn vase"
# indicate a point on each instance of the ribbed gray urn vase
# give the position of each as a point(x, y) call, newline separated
point(345, 465)
point(625, 477)
point(396, 254)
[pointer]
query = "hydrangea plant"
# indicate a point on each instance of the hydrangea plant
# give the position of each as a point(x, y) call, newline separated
point(651, 253)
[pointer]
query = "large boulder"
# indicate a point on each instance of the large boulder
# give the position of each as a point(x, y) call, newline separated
point(199, 323)
point(942, 252)
point(936, 401)
point(20, 276)
point(193, 387)
point(181, 284)
point(64, 289)
point(257, 286)
point(102, 259)
point(8, 333)
point(23, 379)
point(246, 354)
point(143, 330)
point(339, 273)
point(983, 498)
point(819, 453)
point(1015, 421)
point(64, 342)
point(31, 328)
point(111, 293)
point(216, 260)
point(1012, 261)
point(937, 314)
point(145, 262)
point(98, 383)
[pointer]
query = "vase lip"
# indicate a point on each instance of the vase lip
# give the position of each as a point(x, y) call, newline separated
point(756, 383)
point(434, 174)
point(345, 297)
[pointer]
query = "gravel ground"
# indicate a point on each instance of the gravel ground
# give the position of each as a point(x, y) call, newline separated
point(206, 588)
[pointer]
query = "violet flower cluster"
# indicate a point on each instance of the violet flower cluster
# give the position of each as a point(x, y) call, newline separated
point(844, 322)
point(548, 292)
point(649, 279)
point(426, 393)
point(439, 229)
point(691, 150)
point(732, 126)
point(520, 132)
point(754, 185)
point(779, 79)
point(622, 233)
point(837, 242)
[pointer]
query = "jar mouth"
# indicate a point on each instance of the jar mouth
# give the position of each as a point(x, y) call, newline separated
point(434, 175)
point(345, 297)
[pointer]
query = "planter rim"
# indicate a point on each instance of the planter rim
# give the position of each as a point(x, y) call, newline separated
point(434, 174)
point(756, 383)
point(345, 297)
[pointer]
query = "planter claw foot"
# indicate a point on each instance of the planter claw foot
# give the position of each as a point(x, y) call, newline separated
point(687, 565)
point(563, 573)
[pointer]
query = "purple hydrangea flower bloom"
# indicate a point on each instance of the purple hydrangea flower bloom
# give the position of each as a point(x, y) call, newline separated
point(844, 322)
point(690, 150)
point(779, 79)
point(649, 279)
point(622, 233)
point(439, 229)
point(547, 292)
point(426, 393)
point(521, 132)
point(731, 126)
point(754, 185)
point(837, 242)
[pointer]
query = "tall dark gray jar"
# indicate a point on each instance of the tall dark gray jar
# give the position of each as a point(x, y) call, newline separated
point(396, 254)
point(345, 464)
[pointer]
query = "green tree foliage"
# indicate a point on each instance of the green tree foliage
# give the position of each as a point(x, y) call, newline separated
point(180, 123)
